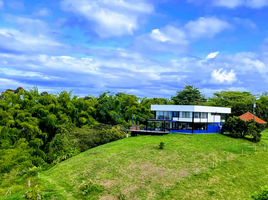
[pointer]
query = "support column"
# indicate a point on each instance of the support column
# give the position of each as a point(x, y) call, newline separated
point(164, 126)
point(154, 126)
point(193, 122)
point(146, 124)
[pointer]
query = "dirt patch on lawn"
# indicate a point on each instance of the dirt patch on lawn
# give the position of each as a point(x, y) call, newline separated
point(108, 183)
point(183, 173)
point(108, 198)
point(130, 189)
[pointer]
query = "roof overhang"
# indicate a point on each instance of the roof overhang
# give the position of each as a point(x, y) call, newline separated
point(191, 108)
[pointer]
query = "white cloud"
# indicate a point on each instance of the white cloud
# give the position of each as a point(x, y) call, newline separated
point(44, 12)
point(170, 35)
point(212, 55)
point(112, 17)
point(236, 3)
point(177, 40)
point(221, 76)
point(167, 39)
point(31, 36)
point(25, 42)
point(205, 27)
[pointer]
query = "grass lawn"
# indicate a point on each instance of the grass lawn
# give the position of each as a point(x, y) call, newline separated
point(189, 167)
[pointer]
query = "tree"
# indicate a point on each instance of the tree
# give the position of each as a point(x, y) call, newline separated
point(240, 102)
point(235, 126)
point(190, 95)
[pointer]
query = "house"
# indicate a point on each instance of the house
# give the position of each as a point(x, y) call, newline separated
point(248, 116)
point(187, 118)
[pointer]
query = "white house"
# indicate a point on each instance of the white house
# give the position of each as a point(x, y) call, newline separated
point(187, 118)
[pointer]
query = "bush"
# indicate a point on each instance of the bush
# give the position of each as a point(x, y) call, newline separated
point(88, 187)
point(35, 193)
point(254, 130)
point(263, 195)
point(235, 126)
point(161, 145)
point(239, 128)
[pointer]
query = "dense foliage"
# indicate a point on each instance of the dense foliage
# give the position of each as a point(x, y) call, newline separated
point(190, 95)
point(239, 128)
point(42, 129)
point(39, 129)
point(263, 195)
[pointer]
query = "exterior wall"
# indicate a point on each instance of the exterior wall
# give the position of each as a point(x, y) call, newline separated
point(198, 120)
point(191, 108)
point(185, 119)
point(214, 118)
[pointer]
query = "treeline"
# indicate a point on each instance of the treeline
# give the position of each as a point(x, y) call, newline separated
point(39, 129)
point(42, 129)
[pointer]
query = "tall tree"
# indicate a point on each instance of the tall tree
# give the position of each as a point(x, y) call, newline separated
point(240, 102)
point(190, 95)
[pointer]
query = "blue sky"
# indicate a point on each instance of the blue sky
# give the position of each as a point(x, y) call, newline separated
point(148, 48)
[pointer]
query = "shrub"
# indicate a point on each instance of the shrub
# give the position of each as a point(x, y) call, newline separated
point(35, 193)
point(239, 128)
point(263, 195)
point(254, 130)
point(161, 145)
point(235, 126)
point(88, 187)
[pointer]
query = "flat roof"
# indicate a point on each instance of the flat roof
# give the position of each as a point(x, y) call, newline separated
point(191, 108)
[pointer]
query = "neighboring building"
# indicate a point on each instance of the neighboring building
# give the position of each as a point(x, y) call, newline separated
point(248, 116)
point(187, 118)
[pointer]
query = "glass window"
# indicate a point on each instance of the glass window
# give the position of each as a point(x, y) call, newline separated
point(167, 115)
point(175, 114)
point(204, 115)
point(186, 115)
point(196, 115)
point(161, 115)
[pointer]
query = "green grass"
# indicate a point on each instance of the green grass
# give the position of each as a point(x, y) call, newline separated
point(138, 169)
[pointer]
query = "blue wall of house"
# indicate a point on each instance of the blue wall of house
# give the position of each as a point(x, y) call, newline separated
point(210, 129)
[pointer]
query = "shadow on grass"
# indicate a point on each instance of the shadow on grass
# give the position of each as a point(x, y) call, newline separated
point(247, 137)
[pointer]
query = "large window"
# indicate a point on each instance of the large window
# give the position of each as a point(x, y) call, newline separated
point(196, 115)
point(185, 115)
point(175, 114)
point(163, 115)
point(204, 115)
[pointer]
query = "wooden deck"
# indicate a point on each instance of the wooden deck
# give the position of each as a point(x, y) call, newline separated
point(144, 132)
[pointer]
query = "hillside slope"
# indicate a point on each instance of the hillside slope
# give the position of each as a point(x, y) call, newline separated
point(189, 167)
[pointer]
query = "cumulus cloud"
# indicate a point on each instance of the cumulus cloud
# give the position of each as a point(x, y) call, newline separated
point(129, 71)
point(111, 17)
point(221, 76)
point(177, 39)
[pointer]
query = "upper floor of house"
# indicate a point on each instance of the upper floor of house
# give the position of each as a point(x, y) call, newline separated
point(190, 113)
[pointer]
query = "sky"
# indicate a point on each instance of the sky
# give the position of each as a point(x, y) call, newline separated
point(150, 48)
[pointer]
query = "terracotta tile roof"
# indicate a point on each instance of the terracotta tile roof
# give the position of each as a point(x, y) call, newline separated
point(248, 116)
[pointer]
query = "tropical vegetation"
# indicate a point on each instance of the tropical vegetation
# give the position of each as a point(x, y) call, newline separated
point(39, 130)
